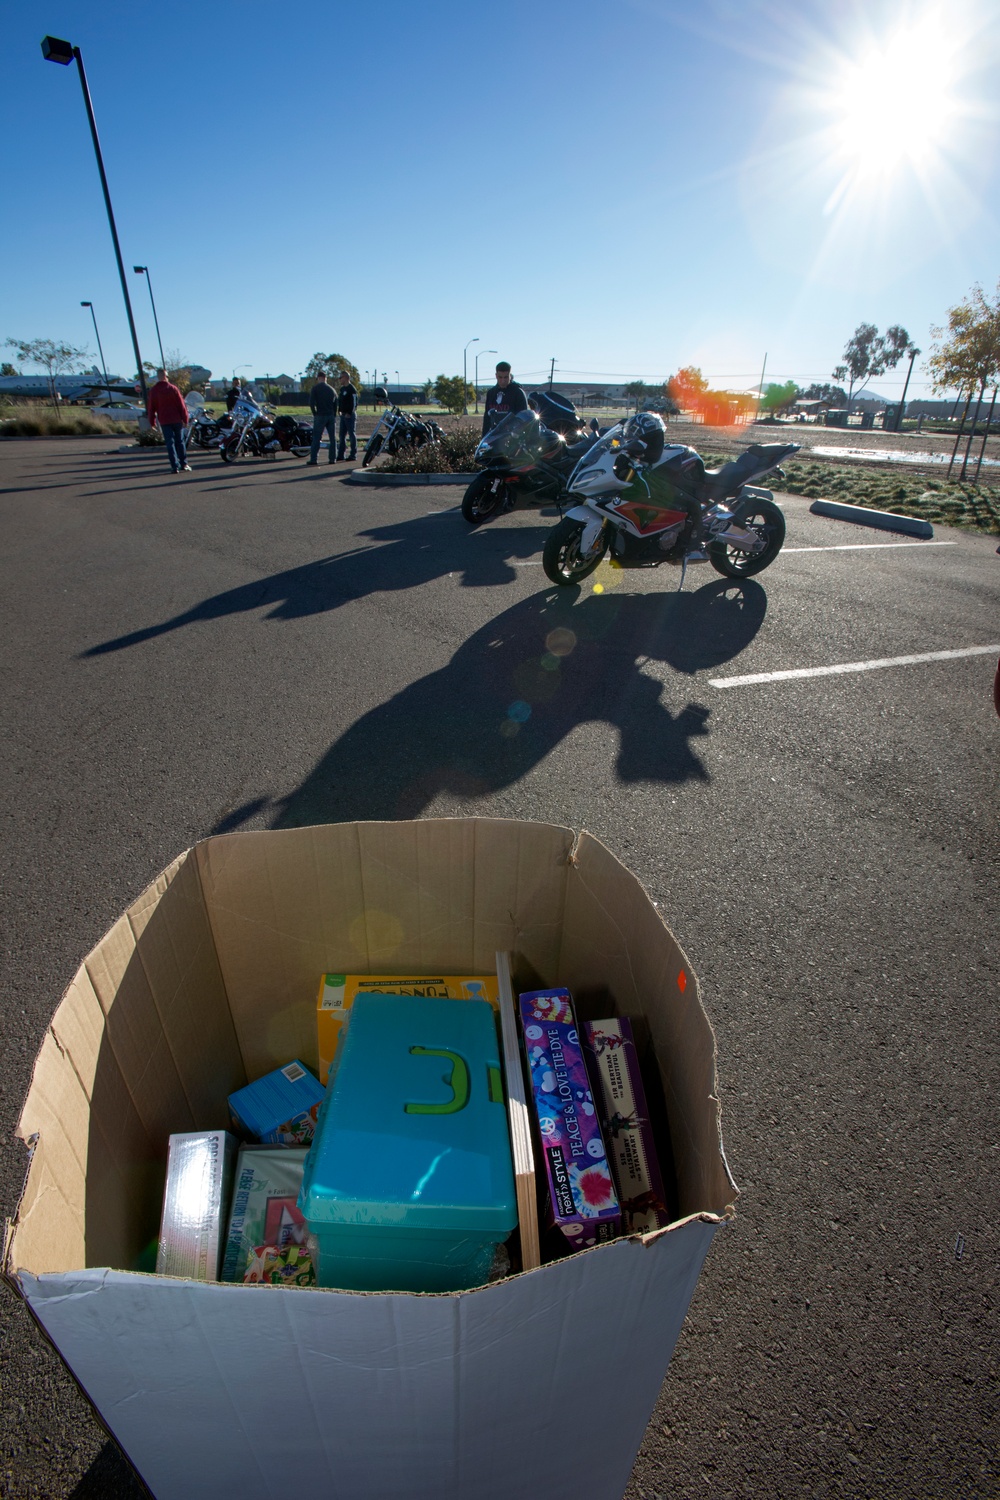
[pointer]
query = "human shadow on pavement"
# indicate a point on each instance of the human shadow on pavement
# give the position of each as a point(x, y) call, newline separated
point(413, 552)
point(517, 688)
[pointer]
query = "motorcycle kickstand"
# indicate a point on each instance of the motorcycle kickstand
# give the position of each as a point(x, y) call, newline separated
point(684, 568)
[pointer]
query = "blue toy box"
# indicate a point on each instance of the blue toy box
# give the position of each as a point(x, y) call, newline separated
point(281, 1108)
point(409, 1184)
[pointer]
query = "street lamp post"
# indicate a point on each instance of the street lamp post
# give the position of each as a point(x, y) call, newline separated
point(465, 378)
point(397, 387)
point(57, 51)
point(144, 270)
point(99, 349)
point(475, 378)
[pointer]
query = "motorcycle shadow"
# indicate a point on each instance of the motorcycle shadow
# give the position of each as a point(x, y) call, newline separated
point(517, 689)
point(411, 553)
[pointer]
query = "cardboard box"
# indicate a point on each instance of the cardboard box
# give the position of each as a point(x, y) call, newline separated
point(208, 981)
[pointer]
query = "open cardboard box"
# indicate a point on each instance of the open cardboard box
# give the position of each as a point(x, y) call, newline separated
point(539, 1384)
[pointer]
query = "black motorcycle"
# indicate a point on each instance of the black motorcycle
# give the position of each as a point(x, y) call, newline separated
point(396, 430)
point(207, 431)
point(522, 456)
point(257, 433)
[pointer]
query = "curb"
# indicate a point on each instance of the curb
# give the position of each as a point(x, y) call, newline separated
point(376, 476)
point(884, 520)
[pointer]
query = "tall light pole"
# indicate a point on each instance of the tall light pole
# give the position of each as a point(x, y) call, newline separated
point(475, 378)
point(99, 349)
point(397, 386)
point(465, 378)
point(57, 51)
point(144, 270)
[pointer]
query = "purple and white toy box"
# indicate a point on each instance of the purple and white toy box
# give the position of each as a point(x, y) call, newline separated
point(582, 1196)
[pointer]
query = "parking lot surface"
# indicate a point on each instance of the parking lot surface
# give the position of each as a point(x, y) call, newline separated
point(801, 769)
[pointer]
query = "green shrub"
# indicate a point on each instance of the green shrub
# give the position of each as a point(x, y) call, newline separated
point(33, 420)
point(150, 437)
point(453, 455)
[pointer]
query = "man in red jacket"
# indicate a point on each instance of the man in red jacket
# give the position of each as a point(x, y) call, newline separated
point(166, 405)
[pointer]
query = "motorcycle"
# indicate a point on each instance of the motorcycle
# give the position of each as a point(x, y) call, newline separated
point(256, 432)
point(396, 430)
point(632, 488)
point(523, 455)
point(205, 430)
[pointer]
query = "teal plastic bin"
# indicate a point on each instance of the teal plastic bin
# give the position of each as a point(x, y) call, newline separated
point(408, 1185)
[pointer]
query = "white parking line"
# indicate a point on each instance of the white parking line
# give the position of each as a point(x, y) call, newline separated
point(851, 666)
point(864, 546)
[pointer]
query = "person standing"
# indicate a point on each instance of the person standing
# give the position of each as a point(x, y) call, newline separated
point(234, 394)
point(167, 406)
point(323, 404)
point(347, 406)
point(505, 397)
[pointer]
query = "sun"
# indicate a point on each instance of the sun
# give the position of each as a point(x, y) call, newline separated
point(895, 102)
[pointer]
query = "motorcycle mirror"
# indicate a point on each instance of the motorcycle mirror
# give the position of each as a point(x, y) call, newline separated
point(595, 426)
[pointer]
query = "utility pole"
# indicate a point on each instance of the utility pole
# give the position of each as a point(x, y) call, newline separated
point(552, 370)
point(760, 388)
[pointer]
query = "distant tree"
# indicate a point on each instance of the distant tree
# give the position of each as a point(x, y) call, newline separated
point(690, 391)
point(833, 395)
point(8, 369)
point(637, 391)
point(330, 363)
point(427, 390)
point(686, 386)
point(869, 354)
point(454, 393)
point(54, 358)
point(776, 399)
point(970, 356)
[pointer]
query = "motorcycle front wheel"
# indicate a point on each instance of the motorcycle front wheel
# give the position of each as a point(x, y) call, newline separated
point(229, 451)
point(767, 520)
point(561, 556)
point(484, 499)
point(372, 449)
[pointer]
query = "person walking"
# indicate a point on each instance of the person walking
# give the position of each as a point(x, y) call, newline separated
point(233, 394)
point(167, 406)
point(323, 404)
point(505, 397)
point(347, 406)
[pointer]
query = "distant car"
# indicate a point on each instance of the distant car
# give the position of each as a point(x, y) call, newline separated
point(121, 411)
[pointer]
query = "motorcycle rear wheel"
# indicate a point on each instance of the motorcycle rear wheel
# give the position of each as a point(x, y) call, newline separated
point(767, 520)
point(372, 450)
point(562, 559)
point(484, 499)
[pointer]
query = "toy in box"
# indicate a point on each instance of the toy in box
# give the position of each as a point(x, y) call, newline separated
point(279, 1109)
point(265, 1205)
point(280, 1265)
point(583, 1204)
point(195, 1201)
point(338, 992)
point(621, 1100)
point(409, 1184)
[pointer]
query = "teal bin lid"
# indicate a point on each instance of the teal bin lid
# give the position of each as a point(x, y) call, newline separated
point(413, 1134)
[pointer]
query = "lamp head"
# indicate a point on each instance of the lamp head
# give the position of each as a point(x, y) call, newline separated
point(86, 304)
point(56, 50)
point(138, 270)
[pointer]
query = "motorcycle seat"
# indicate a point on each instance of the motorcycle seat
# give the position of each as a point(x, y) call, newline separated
point(757, 459)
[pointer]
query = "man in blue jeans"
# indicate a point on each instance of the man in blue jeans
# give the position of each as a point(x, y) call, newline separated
point(347, 405)
point(323, 404)
point(167, 406)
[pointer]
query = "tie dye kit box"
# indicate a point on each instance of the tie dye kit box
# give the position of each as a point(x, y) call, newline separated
point(583, 1203)
point(621, 1100)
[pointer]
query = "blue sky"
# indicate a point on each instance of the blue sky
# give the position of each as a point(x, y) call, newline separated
point(627, 188)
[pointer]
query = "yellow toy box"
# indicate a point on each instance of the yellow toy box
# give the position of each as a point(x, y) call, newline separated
point(338, 992)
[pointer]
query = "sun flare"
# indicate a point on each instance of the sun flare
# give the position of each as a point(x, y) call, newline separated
point(895, 102)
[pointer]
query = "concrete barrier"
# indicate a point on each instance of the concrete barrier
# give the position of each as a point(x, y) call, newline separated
point(378, 477)
point(883, 520)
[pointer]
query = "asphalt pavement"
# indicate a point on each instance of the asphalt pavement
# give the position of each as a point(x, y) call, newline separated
point(266, 645)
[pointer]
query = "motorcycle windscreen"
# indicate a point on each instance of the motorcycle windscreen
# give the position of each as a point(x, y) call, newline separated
point(598, 452)
point(513, 436)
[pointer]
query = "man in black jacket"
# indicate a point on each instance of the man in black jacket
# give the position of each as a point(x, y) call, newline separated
point(323, 404)
point(234, 394)
point(505, 397)
point(347, 405)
